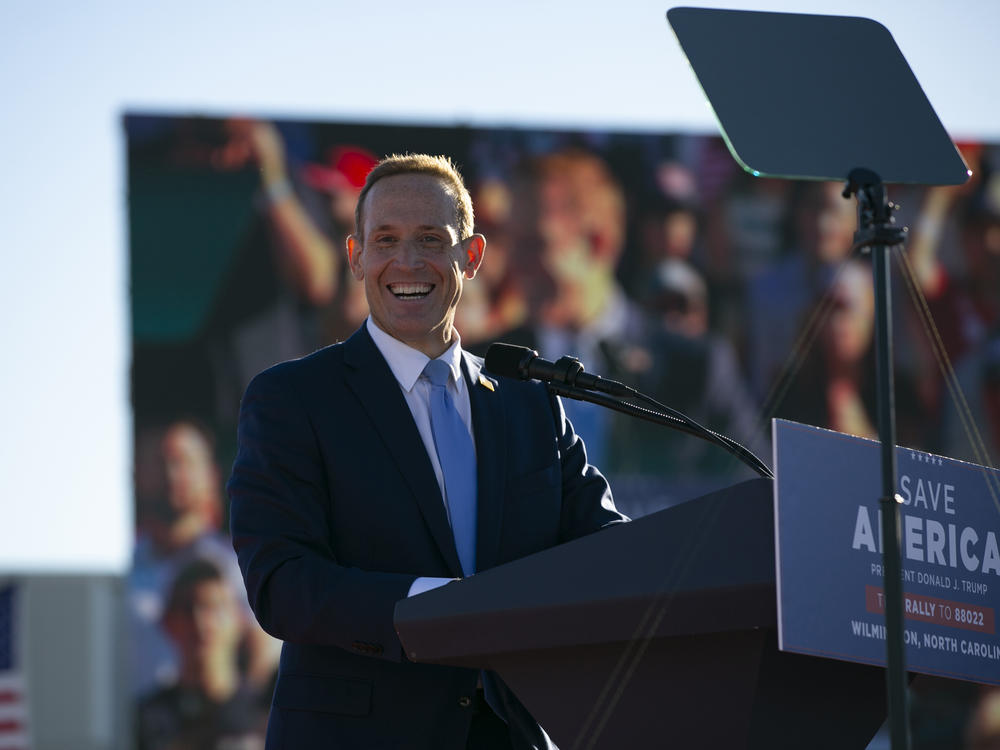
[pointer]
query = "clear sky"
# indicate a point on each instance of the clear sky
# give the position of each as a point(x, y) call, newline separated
point(69, 70)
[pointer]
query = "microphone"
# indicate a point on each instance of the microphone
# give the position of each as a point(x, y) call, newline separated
point(524, 364)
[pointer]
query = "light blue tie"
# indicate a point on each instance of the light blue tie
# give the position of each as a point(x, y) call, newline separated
point(457, 456)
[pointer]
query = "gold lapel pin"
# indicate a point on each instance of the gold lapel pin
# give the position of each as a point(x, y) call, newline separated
point(485, 383)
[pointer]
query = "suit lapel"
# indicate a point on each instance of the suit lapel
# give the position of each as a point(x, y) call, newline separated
point(376, 388)
point(488, 427)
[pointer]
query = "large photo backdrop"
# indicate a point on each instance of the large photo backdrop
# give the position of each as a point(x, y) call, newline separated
point(650, 257)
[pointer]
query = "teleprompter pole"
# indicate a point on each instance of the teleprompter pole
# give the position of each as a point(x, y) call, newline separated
point(877, 233)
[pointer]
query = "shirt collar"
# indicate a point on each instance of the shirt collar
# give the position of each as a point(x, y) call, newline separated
point(407, 364)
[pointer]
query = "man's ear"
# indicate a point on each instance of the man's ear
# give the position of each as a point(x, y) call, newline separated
point(475, 248)
point(354, 257)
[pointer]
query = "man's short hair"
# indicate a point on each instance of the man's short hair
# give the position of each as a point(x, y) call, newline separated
point(195, 573)
point(436, 166)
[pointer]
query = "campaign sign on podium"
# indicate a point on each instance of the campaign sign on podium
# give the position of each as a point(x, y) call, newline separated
point(829, 558)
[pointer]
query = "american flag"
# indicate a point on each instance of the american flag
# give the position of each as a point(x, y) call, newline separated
point(13, 706)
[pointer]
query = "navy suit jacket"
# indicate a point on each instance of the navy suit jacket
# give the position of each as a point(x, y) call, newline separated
point(335, 510)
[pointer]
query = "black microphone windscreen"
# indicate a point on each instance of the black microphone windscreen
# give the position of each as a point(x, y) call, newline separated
point(506, 359)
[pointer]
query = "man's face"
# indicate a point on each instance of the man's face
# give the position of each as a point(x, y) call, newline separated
point(827, 224)
point(192, 476)
point(207, 623)
point(851, 323)
point(412, 261)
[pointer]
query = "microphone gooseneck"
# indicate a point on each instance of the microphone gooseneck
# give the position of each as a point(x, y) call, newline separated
point(566, 377)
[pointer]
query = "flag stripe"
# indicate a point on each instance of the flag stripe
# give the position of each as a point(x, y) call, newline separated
point(12, 713)
point(13, 705)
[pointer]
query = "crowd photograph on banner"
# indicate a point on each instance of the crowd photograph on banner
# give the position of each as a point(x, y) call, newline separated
point(652, 258)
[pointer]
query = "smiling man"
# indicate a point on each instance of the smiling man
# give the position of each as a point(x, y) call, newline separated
point(378, 468)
